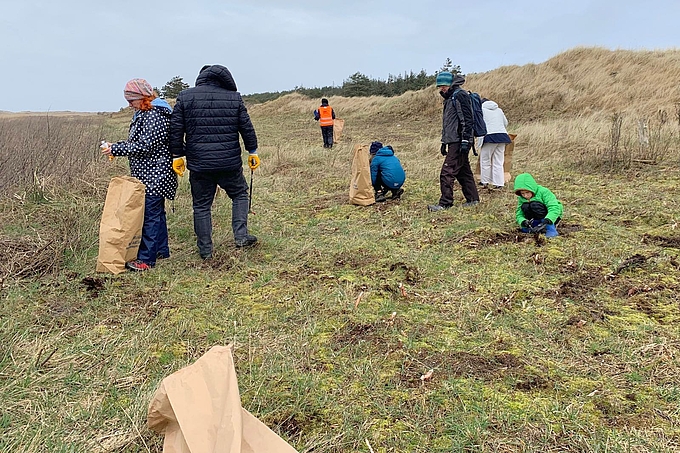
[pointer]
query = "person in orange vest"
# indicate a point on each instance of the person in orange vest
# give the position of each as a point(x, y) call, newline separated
point(325, 116)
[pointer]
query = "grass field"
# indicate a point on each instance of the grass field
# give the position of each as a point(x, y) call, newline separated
point(570, 344)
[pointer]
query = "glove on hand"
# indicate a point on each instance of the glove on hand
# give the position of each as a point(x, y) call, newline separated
point(539, 228)
point(525, 224)
point(443, 149)
point(253, 160)
point(178, 166)
point(546, 221)
point(464, 146)
point(106, 149)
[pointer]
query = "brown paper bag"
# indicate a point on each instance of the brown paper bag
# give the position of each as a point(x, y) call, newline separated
point(198, 408)
point(507, 160)
point(361, 188)
point(338, 126)
point(120, 229)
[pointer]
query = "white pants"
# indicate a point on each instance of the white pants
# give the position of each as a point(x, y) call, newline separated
point(491, 159)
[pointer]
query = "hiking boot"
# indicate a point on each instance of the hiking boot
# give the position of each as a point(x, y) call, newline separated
point(470, 204)
point(380, 197)
point(137, 266)
point(397, 194)
point(437, 207)
point(247, 241)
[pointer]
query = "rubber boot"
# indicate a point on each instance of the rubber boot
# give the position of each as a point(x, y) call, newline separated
point(203, 230)
point(551, 231)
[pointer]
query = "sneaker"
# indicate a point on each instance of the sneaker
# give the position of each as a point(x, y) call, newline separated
point(397, 194)
point(470, 204)
point(247, 241)
point(380, 197)
point(137, 266)
point(437, 207)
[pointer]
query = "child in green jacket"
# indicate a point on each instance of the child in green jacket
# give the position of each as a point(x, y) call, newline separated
point(538, 210)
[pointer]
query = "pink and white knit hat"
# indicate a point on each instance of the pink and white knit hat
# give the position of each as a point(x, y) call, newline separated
point(137, 89)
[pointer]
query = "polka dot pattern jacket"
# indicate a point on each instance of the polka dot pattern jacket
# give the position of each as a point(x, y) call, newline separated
point(147, 150)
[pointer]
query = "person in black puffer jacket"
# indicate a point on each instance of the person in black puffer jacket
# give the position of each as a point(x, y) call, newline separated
point(204, 127)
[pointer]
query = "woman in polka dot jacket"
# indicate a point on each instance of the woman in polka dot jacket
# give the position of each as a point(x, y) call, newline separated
point(150, 162)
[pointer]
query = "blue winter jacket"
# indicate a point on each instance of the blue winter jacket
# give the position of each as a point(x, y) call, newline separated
point(388, 166)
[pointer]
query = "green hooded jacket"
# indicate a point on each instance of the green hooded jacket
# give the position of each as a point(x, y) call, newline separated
point(527, 182)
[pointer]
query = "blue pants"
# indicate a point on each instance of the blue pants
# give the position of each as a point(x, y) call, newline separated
point(154, 231)
point(327, 133)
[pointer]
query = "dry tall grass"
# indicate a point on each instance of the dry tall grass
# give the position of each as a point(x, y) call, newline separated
point(40, 151)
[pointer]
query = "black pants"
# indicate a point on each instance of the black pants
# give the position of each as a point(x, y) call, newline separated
point(327, 133)
point(535, 210)
point(379, 186)
point(456, 166)
point(203, 187)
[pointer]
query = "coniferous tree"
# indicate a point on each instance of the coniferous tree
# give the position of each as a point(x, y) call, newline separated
point(173, 88)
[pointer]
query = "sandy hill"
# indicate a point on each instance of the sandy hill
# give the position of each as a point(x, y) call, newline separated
point(578, 82)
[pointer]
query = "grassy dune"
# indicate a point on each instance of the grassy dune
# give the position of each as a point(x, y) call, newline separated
point(567, 345)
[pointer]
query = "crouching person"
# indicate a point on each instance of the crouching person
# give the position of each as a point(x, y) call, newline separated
point(387, 174)
point(538, 209)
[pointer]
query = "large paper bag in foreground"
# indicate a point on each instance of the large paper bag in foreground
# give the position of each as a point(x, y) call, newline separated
point(120, 229)
point(338, 126)
point(507, 162)
point(198, 408)
point(361, 188)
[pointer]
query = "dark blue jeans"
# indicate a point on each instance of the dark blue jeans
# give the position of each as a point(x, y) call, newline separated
point(203, 187)
point(154, 231)
point(327, 133)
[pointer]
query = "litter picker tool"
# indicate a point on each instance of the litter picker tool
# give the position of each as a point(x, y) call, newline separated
point(250, 197)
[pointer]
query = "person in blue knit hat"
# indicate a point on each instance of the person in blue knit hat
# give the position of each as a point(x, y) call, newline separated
point(457, 136)
point(387, 174)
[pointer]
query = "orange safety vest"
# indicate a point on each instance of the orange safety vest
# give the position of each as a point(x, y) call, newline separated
point(325, 116)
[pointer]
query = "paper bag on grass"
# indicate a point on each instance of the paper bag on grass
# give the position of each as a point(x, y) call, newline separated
point(507, 160)
point(120, 229)
point(338, 126)
point(198, 408)
point(361, 188)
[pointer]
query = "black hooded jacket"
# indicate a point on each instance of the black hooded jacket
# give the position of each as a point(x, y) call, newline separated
point(457, 115)
point(206, 123)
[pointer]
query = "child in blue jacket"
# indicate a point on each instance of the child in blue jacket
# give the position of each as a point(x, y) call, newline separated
point(387, 174)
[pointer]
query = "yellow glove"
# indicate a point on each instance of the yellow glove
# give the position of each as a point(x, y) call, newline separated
point(253, 161)
point(106, 149)
point(178, 166)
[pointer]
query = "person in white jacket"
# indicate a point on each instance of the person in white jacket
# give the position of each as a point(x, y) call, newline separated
point(492, 155)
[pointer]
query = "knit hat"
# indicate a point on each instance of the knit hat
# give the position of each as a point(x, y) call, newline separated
point(375, 146)
point(444, 79)
point(137, 89)
point(324, 101)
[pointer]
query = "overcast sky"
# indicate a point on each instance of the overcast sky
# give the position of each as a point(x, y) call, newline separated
point(78, 54)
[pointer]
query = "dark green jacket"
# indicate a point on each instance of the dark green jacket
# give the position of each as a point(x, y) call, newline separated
point(526, 182)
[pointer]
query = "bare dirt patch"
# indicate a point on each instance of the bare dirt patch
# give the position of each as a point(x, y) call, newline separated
point(483, 238)
point(457, 364)
point(662, 241)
